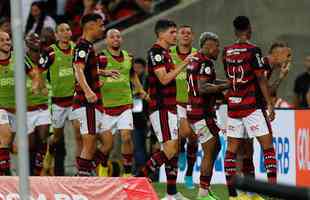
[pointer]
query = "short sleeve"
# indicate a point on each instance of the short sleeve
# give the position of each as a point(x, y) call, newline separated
point(81, 53)
point(46, 59)
point(257, 62)
point(156, 59)
point(206, 70)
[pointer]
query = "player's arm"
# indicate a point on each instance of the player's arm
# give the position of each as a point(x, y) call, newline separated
point(158, 65)
point(102, 71)
point(259, 71)
point(79, 65)
point(204, 85)
point(139, 87)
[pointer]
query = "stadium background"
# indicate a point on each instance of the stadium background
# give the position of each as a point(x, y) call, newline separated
point(272, 20)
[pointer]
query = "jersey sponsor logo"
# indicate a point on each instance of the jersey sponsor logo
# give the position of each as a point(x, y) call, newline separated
point(235, 51)
point(6, 82)
point(235, 99)
point(65, 72)
point(181, 76)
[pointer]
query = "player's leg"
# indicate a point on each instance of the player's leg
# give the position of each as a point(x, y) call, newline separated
point(6, 138)
point(41, 122)
point(125, 125)
point(41, 134)
point(209, 138)
point(247, 166)
point(56, 143)
point(192, 148)
point(127, 151)
point(184, 132)
point(102, 154)
point(258, 125)
point(88, 127)
point(106, 138)
point(235, 134)
point(165, 127)
point(77, 137)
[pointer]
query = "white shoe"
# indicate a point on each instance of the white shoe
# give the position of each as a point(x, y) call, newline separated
point(177, 196)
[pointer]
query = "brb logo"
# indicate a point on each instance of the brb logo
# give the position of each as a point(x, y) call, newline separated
point(282, 147)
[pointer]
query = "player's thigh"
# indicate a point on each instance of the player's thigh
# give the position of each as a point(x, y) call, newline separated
point(109, 123)
point(235, 128)
point(126, 135)
point(125, 121)
point(5, 129)
point(164, 124)
point(59, 115)
point(257, 124)
point(90, 120)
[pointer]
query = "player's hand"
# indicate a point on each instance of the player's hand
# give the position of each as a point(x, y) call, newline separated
point(284, 70)
point(190, 58)
point(91, 97)
point(270, 112)
point(113, 73)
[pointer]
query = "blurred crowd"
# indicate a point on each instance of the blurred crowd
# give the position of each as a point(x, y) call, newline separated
point(45, 14)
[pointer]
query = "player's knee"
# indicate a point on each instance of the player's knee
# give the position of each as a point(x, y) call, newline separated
point(6, 136)
point(171, 148)
point(126, 138)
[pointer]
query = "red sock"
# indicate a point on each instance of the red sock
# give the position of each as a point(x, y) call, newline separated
point(127, 163)
point(39, 158)
point(156, 160)
point(192, 148)
point(101, 158)
point(205, 182)
point(84, 167)
point(230, 171)
point(5, 162)
point(271, 165)
point(171, 168)
point(248, 168)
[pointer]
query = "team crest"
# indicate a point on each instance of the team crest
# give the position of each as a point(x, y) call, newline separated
point(157, 58)
point(208, 70)
point(82, 54)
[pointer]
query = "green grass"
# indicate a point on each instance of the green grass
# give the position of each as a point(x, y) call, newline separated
point(219, 190)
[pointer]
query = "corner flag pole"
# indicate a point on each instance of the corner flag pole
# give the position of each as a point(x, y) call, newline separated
point(20, 97)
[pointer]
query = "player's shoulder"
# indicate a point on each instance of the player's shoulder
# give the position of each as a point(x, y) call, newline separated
point(83, 44)
point(156, 49)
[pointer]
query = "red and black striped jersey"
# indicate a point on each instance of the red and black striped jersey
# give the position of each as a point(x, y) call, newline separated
point(243, 63)
point(85, 54)
point(162, 96)
point(200, 106)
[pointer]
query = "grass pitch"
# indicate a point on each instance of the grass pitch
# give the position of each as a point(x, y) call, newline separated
point(219, 190)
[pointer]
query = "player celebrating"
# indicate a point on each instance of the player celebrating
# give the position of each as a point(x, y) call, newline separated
point(275, 63)
point(57, 61)
point(162, 106)
point(245, 71)
point(87, 98)
point(179, 52)
point(117, 100)
point(201, 77)
point(38, 115)
point(7, 102)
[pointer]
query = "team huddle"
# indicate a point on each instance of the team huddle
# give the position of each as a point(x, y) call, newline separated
point(90, 86)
